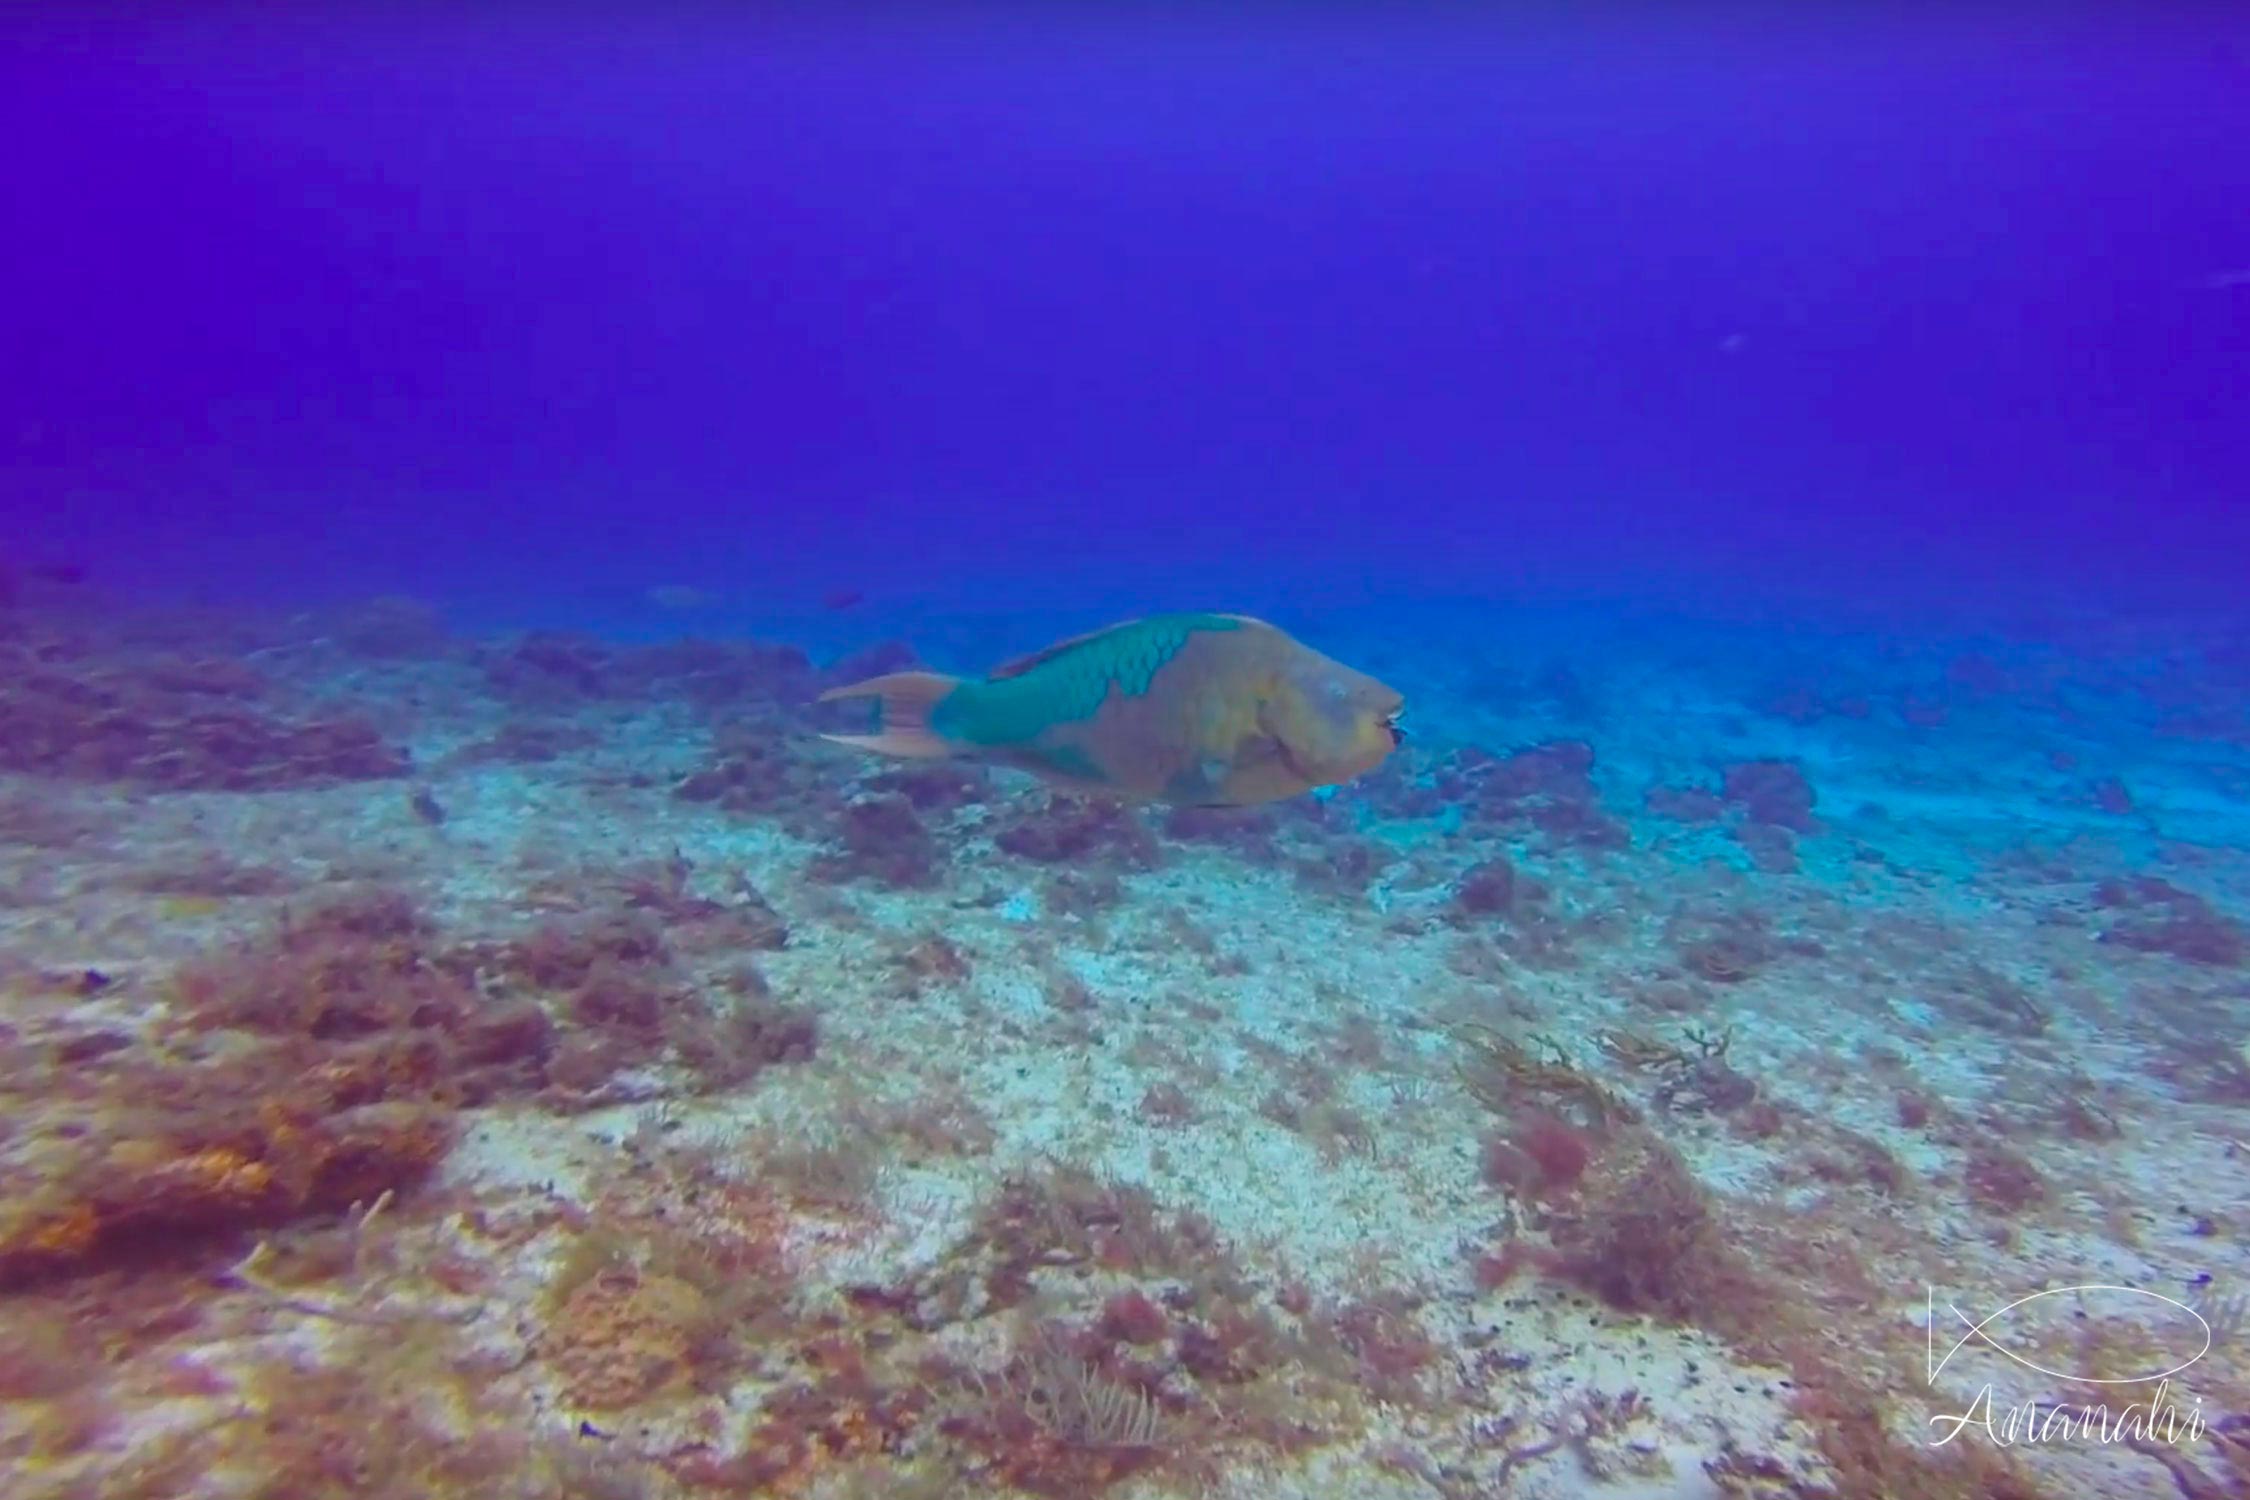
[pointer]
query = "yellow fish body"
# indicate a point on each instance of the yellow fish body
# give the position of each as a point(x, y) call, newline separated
point(1208, 710)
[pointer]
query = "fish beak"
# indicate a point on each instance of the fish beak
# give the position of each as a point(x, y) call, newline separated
point(1390, 727)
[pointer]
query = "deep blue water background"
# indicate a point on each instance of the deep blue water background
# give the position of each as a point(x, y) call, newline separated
point(1874, 314)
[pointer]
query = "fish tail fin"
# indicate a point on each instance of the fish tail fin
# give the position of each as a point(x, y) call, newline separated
point(904, 701)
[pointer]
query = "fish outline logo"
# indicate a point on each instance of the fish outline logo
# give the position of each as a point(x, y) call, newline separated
point(1976, 1331)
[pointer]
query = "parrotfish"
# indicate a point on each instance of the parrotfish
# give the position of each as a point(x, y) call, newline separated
point(1206, 710)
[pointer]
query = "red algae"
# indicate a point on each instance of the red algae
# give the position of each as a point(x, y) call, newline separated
point(2001, 1181)
point(2156, 916)
point(1491, 888)
point(1544, 1156)
point(882, 839)
point(1547, 788)
point(1772, 792)
point(2111, 795)
point(393, 628)
point(1389, 1349)
point(1166, 1104)
point(169, 722)
point(1078, 830)
point(552, 670)
point(1132, 1318)
point(933, 787)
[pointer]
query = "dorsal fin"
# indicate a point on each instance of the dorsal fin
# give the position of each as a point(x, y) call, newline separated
point(1017, 666)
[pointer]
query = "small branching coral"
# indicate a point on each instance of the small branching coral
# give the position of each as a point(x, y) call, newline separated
point(1696, 1078)
point(1050, 1423)
point(1623, 1217)
point(1504, 1076)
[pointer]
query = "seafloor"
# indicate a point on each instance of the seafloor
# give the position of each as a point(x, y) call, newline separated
point(532, 1066)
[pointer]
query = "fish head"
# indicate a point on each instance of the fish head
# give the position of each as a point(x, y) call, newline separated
point(1336, 722)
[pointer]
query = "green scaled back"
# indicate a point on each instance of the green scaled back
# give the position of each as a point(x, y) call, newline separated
point(1071, 683)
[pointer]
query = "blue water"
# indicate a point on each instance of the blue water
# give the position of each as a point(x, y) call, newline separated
point(524, 311)
point(1863, 390)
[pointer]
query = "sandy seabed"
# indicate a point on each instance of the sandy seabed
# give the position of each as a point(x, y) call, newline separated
point(538, 1066)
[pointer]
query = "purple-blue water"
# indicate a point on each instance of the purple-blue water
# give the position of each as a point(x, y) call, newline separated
point(525, 310)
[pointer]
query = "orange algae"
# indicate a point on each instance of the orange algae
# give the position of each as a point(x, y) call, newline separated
point(144, 1195)
point(623, 1336)
point(320, 1064)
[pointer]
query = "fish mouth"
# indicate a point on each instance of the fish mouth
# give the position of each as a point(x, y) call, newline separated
point(1390, 727)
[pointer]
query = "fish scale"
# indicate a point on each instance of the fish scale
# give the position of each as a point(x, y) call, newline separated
point(1082, 677)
